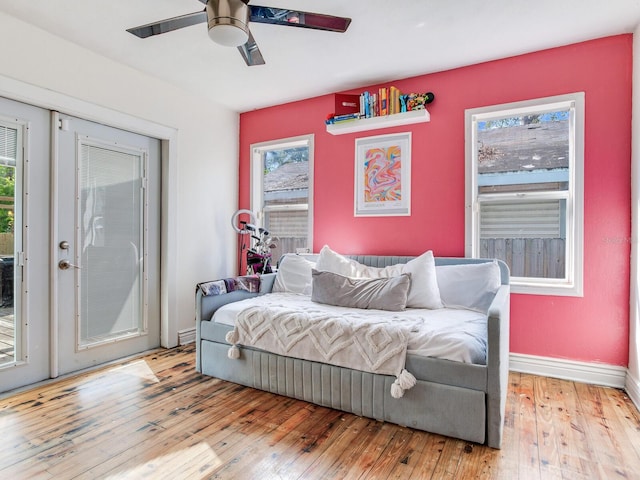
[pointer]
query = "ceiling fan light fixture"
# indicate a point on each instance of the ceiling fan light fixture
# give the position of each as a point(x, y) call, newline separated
point(228, 22)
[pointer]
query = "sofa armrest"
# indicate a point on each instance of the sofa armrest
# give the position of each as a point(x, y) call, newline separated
point(206, 305)
point(497, 364)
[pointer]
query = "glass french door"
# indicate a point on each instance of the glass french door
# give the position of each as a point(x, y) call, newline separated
point(79, 244)
point(24, 254)
point(106, 243)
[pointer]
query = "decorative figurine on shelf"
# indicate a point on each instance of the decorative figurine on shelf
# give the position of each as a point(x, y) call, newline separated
point(416, 101)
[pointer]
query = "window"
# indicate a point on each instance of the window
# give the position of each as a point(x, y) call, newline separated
point(282, 192)
point(524, 185)
point(12, 326)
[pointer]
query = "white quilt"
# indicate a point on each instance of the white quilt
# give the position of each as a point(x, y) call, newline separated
point(451, 334)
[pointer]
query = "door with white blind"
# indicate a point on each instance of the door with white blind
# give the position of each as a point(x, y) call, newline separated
point(106, 221)
point(24, 237)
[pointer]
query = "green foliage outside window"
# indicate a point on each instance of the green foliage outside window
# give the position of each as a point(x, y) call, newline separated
point(7, 189)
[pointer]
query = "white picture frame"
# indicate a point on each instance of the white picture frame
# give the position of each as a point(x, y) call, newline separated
point(383, 175)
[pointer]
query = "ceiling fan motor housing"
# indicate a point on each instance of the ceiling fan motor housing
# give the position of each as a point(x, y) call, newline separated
point(228, 22)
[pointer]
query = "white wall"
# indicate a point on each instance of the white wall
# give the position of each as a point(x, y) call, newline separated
point(204, 172)
point(633, 375)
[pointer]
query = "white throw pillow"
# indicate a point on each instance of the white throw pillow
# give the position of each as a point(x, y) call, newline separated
point(470, 286)
point(294, 275)
point(424, 291)
point(330, 261)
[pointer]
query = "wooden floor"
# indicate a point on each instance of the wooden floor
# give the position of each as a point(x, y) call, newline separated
point(155, 417)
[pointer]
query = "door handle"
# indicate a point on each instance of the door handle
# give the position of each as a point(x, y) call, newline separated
point(66, 265)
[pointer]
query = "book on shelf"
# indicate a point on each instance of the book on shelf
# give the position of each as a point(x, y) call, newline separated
point(346, 103)
point(385, 101)
point(383, 106)
point(342, 118)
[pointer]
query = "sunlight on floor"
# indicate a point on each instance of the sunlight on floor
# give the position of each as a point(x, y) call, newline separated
point(124, 377)
point(161, 466)
point(139, 369)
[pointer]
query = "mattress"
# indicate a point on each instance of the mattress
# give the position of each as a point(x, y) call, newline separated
point(451, 334)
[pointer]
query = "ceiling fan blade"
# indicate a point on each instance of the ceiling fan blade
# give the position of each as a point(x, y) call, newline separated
point(294, 18)
point(169, 24)
point(251, 53)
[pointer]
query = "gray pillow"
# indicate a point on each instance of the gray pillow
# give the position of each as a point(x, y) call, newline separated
point(389, 293)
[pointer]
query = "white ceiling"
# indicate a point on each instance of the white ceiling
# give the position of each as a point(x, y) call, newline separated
point(387, 40)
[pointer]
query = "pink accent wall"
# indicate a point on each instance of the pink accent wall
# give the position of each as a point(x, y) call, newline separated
point(593, 328)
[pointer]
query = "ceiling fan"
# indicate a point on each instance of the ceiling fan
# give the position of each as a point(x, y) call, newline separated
point(228, 23)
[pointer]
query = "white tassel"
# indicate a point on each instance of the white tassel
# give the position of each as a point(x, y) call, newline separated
point(406, 379)
point(231, 337)
point(234, 352)
point(396, 390)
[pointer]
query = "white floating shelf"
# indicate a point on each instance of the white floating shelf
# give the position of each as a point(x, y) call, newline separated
point(386, 121)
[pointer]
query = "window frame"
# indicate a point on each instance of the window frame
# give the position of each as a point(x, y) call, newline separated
point(572, 283)
point(21, 323)
point(257, 180)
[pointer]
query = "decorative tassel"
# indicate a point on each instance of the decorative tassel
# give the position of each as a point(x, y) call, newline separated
point(396, 390)
point(406, 380)
point(231, 337)
point(234, 352)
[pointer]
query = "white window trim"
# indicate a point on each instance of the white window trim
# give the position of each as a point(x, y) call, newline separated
point(573, 284)
point(257, 174)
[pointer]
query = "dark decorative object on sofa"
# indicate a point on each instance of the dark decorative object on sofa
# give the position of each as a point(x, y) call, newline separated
point(458, 397)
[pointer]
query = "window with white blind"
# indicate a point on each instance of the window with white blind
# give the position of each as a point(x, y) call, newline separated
point(524, 187)
point(8, 145)
point(282, 192)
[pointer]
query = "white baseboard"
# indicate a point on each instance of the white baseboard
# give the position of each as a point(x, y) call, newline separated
point(633, 389)
point(188, 335)
point(595, 373)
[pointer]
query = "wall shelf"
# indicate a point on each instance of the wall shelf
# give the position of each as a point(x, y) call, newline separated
point(398, 119)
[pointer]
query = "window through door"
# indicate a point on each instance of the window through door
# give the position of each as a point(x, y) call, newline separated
point(282, 192)
point(111, 240)
point(11, 331)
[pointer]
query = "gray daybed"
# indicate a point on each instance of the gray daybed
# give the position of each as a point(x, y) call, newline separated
point(461, 400)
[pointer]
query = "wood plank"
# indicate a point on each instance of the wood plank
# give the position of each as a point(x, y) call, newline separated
point(152, 443)
point(528, 455)
point(73, 419)
point(426, 461)
point(344, 450)
point(418, 442)
point(155, 417)
point(627, 415)
point(296, 437)
point(614, 446)
point(507, 465)
point(92, 439)
point(574, 452)
point(386, 449)
point(547, 436)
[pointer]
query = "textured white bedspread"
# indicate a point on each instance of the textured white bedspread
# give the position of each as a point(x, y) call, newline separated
point(451, 334)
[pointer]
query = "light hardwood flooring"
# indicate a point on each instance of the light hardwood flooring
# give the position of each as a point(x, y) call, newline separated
point(155, 417)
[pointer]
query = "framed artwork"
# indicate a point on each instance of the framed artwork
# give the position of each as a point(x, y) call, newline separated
point(383, 175)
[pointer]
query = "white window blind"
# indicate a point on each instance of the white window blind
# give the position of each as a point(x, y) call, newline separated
point(8, 145)
point(529, 219)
